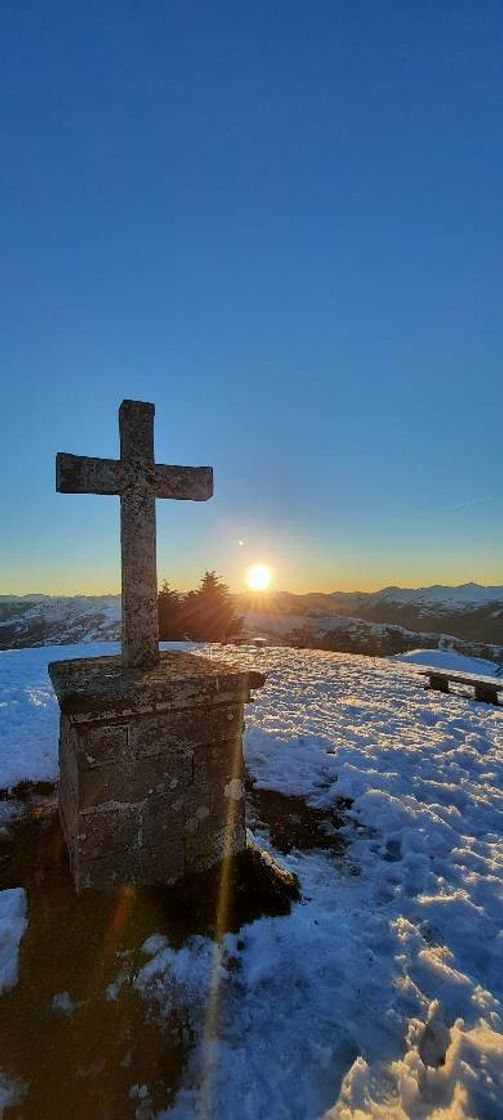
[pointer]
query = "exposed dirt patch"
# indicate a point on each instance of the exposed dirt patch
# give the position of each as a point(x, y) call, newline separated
point(291, 823)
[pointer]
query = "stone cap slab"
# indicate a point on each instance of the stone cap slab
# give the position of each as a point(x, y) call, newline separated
point(99, 687)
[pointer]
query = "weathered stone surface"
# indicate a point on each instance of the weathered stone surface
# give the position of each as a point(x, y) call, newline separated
point(141, 736)
point(81, 474)
point(215, 822)
point(70, 825)
point(68, 754)
point(138, 480)
point(140, 618)
point(185, 728)
point(103, 743)
point(149, 866)
point(164, 786)
point(219, 762)
point(105, 830)
point(102, 687)
point(203, 849)
point(131, 784)
point(164, 816)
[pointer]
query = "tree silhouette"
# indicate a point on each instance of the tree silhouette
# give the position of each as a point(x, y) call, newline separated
point(171, 621)
point(208, 613)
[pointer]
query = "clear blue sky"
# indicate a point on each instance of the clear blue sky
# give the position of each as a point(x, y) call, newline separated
point(282, 223)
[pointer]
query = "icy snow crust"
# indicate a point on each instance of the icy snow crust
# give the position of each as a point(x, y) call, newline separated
point(379, 996)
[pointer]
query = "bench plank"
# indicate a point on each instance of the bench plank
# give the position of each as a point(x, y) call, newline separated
point(486, 688)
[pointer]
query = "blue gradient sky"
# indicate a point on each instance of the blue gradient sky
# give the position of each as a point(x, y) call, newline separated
point(282, 223)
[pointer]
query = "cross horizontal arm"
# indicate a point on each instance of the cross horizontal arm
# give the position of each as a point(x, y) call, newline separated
point(190, 483)
point(79, 474)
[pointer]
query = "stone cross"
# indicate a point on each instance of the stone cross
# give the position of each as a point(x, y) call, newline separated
point(138, 480)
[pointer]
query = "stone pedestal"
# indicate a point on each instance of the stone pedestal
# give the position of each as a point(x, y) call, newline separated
point(151, 766)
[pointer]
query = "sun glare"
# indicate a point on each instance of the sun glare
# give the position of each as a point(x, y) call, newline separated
point(258, 577)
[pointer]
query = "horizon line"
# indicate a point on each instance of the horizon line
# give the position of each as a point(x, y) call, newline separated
point(261, 594)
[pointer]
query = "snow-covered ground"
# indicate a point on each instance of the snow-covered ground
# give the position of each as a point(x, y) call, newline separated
point(380, 994)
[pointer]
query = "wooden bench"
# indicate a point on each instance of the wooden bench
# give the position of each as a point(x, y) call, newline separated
point(486, 688)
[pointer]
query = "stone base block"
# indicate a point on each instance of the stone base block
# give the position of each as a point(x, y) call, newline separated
point(151, 767)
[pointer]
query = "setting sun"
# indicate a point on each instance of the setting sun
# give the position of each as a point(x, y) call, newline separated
point(258, 577)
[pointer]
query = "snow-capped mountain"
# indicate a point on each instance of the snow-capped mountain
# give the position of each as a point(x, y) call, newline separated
point(386, 621)
point(40, 620)
point(470, 611)
point(466, 596)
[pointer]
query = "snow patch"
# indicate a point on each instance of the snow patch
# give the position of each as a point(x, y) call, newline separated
point(64, 1004)
point(448, 659)
point(13, 923)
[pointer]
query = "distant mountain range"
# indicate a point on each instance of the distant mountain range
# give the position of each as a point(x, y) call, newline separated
point(470, 611)
point(383, 621)
point(43, 620)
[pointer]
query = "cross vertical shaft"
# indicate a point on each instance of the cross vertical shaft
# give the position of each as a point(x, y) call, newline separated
point(140, 623)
